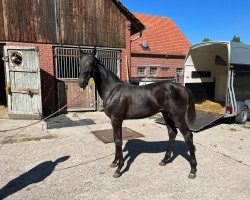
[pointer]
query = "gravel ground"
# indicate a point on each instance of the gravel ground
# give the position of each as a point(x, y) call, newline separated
point(67, 161)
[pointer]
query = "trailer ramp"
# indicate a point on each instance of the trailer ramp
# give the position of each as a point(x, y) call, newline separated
point(203, 119)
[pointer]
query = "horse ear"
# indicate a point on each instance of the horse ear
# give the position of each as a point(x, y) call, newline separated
point(94, 52)
point(81, 52)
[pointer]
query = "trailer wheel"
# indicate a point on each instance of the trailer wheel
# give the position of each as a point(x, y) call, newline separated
point(241, 118)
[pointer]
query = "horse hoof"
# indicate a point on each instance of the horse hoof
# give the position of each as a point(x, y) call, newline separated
point(162, 163)
point(191, 176)
point(113, 165)
point(117, 175)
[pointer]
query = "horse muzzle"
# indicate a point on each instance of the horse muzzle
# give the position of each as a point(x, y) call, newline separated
point(84, 85)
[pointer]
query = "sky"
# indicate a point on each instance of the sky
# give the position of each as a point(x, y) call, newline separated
point(217, 20)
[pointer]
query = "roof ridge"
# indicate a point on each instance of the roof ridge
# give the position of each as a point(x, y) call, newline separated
point(151, 15)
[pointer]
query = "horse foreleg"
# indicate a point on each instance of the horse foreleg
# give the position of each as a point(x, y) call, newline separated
point(172, 132)
point(117, 131)
point(115, 162)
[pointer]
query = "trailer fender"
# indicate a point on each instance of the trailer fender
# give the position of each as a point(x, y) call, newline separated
point(247, 102)
point(241, 105)
point(242, 113)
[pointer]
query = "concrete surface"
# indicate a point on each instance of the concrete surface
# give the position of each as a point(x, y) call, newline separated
point(61, 159)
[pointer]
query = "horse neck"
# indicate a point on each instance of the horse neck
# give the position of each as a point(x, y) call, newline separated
point(104, 81)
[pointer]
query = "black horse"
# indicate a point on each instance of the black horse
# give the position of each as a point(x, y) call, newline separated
point(125, 101)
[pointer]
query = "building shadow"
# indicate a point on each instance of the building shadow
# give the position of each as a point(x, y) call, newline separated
point(136, 147)
point(62, 121)
point(35, 175)
point(48, 92)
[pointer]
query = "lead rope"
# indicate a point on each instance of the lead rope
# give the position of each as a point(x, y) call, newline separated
point(23, 127)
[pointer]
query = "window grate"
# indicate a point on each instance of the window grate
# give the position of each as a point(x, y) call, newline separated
point(67, 60)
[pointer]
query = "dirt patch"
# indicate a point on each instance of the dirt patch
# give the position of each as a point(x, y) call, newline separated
point(247, 126)
point(27, 138)
point(233, 129)
point(156, 116)
point(3, 112)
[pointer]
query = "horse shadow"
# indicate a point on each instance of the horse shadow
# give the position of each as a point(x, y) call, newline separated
point(35, 175)
point(136, 147)
point(62, 121)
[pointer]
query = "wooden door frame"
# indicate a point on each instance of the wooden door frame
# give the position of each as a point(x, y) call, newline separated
point(13, 114)
point(4, 71)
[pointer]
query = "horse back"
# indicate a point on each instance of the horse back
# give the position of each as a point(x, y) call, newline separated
point(134, 102)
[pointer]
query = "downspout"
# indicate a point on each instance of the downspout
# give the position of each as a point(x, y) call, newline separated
point(131, 41)
point(138, 37)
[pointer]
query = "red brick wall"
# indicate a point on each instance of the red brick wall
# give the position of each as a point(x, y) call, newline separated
point(48, 85)
point(171, 63)
point(134, 61)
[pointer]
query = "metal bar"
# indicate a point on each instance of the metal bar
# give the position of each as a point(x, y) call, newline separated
point(66, 55)
point(24, 91)
point(69, 67)
point(118, 65)
point(232, 88)
point(61, 61)
point(64, 69)
point(56, 62)
point(72, 63)
point(76, 63)
point(12, 69)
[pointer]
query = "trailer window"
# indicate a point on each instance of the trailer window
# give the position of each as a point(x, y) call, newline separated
point(220, 61)
point(201, 74)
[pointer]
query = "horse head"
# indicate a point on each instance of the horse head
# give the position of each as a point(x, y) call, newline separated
point(86, 67)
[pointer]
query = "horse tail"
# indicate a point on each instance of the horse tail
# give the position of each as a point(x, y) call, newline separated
point(191, 113)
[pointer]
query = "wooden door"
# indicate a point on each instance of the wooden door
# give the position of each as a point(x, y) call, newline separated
point(69, 89)
point(23, 82)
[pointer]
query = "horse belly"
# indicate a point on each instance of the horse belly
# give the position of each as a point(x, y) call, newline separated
point(138, 110)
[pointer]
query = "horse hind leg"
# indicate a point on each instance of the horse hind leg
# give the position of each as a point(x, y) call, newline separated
point(172, 132)
point(188, 136)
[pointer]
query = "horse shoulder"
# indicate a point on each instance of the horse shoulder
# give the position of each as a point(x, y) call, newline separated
point(114, 100)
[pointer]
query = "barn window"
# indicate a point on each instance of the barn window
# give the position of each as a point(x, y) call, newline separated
point(16, 58)
point(67, 63)
point(67, 60)
point(165, 69)
point(179, 71)
point(141, 71)
point(153, 71)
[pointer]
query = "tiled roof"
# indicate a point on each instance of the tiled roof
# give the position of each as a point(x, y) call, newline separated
point(162, 35)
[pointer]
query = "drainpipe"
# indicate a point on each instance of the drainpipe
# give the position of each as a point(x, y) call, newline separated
point(138, 37)
point(131, 41)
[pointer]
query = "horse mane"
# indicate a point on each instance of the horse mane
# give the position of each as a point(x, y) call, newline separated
point(113, 75)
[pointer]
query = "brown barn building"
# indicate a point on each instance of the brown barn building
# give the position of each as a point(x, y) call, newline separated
point(39, 43)
point(160, 52)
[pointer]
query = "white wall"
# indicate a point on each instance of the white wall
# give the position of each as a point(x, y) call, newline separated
point(203, 59)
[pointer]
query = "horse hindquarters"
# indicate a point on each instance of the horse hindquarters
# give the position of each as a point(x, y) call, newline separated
point(182, 105)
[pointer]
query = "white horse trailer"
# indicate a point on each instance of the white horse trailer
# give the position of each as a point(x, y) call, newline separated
point(220, 72)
